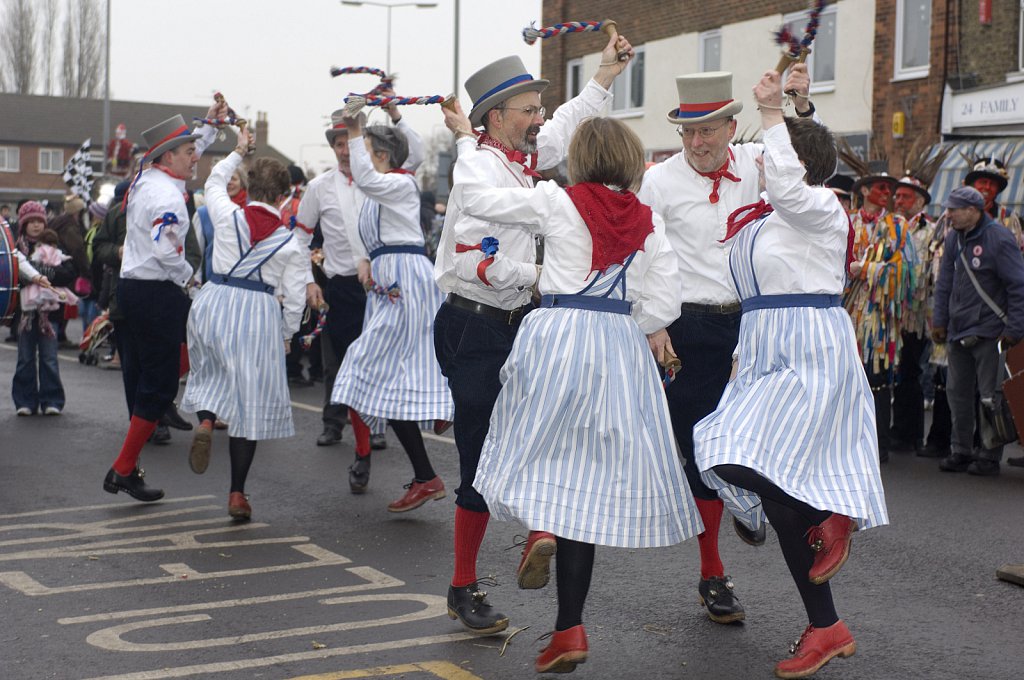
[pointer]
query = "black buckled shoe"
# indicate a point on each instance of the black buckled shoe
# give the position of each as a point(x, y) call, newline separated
point(378, 442)
point(718, 598)
point(172, 418)
point(132, 485)
point(359, 474)
point(984, 468)
point(328, 436)
point(161, 435)
point(469, 605)
point(956, 462)
point(754, 538)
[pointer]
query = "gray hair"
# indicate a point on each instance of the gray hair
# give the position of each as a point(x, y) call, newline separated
point(389, 140)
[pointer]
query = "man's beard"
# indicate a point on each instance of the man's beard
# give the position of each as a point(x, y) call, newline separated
point(527, 146)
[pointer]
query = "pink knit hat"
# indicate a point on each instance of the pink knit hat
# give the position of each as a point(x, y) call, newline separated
point(31, 210)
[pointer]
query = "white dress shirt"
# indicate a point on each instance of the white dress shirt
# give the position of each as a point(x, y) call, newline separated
point(652, 279)
point(153, 252)
point(285, 271)
point(513, 271)
point(398, 197)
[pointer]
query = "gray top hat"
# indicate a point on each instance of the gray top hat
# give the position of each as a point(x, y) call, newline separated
point(704, 97)
point(167, 135)
point(337, 127)
point(497, 82)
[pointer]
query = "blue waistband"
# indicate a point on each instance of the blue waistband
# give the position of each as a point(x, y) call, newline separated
point(816, 300)
point(236, 282)
point(384, 250)
point(594, 304)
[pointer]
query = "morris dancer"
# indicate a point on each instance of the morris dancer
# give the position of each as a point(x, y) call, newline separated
point(475, 328)
point(150, 294)
point(580, 441)
point(794, 430)
point(695, 192)
point(390, 371)
point(237, 335)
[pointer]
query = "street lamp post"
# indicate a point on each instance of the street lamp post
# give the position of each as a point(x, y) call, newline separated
point(389, 6)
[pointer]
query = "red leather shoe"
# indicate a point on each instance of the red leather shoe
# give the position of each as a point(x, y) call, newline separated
point(419, 493)
point(815, 648)
point(535, 567)
point(831, 541)
point(442, 426)
point(238, 506)
point(566, 649)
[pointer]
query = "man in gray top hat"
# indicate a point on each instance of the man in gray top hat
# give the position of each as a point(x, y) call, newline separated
point(150, 292)
point(488, 292)
point(695, 192)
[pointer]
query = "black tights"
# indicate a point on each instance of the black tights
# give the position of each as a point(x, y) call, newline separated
point(206, 415)
point(574, 565)
point(791, 519)
point(242, 451)
point(408, 433)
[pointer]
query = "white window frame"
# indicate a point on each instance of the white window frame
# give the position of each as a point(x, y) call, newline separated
point(900, 73)
point(702, 38)
point(1020, 38)
point(798, 21)
point(569, 66)
point(9, 152)
point(625, 81)
point(49, 154)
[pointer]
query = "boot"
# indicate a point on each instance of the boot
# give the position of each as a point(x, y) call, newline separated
point(359, 474)
point(566, 649)
point(469, 605)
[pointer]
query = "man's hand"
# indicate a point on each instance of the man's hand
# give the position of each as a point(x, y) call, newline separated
point(244, 140)
point(314, 296)
point(391, 108)
point(354, 124)
point(939, 335)
point(660, 345)
point(1007, 342)
point(610, 64)
point(288, 346)
point(364, 275)
point(799, 84)
point(457, 121)
point(768, 95)
point(218, 111)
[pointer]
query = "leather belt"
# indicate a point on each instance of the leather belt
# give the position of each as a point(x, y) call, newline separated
point(728, 308)
point(508, 316)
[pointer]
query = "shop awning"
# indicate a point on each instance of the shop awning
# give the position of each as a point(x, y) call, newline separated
point(955, 168)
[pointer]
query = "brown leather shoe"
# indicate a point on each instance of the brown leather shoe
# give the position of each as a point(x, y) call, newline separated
point(566, 649)
point(199, 454)
point(238, 506)
point(831, 542)
point(815, 648)
point(419, 493)
point(535, 567)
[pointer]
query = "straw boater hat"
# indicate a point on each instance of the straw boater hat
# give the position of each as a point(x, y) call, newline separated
point(498, 81)
point(704, 97)
point(337, 127)
point(168, 135)
point(991, 168)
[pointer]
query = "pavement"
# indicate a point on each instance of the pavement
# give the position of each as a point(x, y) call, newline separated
point(324, 584)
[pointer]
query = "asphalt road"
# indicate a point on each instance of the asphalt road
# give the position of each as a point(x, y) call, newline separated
point(325, 584)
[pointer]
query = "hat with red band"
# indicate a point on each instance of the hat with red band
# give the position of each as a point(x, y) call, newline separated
point(337, 127)
point(704, 97)
point(168, 135)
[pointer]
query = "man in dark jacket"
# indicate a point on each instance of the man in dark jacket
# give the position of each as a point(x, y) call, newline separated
point(979, 300)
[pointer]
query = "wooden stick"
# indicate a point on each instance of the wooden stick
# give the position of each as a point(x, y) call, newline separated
point(611, 28)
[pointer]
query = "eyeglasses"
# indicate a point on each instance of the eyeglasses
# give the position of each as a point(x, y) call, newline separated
point(705, 132)
point(531, 111)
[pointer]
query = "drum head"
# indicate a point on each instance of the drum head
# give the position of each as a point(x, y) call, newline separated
point(8, 275)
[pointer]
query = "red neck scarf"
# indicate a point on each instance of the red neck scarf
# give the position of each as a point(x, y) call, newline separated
point(402, 171)
point(262, 222)
point(167, 170)
point(741, 217)
point(717, 176)
point(870, 218)
point(529, 164)
point(240, 198)
point(618, 222)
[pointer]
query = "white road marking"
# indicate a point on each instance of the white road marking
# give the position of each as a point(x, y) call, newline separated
point(105, 506)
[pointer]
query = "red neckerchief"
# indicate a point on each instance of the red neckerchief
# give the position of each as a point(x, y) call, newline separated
point(511, 154)
point(167, 170)
point(402, 171)
point(262, 222)
point(717, 176)
point(240, 198)
point(869, 218)
point(618, 222)
point(741, 217)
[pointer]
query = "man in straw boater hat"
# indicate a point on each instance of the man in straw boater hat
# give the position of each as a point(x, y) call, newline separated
point(488, 271)
point(695, 192)
point(151, 293)
point(990, 177)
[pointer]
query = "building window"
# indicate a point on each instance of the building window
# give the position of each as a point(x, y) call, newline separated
point(9, 159)
point(573, 78)
point(913, 38)
point(51, 161)
point(628, 90)
point(821, 62)
point(710, 50)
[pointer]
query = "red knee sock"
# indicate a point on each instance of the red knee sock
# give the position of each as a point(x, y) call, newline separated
point(183, 364)
point(710, 560)
point(139, 431)
point(469, 534)
point(362, 433)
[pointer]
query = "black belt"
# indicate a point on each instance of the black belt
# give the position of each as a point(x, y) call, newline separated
point(509, 316)
point(592, 303)
point(409, 250)
point(729, 308)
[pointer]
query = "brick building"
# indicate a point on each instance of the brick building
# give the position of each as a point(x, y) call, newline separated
point(39, 134)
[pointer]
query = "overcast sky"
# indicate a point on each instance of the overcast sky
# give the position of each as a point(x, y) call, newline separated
point(275, 56)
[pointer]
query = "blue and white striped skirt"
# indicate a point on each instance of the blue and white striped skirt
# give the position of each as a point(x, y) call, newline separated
point(236, 359)
point(391, 371)
point(799, 413)
point(580, 442)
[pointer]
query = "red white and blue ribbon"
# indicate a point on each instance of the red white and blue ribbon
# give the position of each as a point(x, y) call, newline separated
point(355, 103)
point(796, 49)
point(392, 292)
point(531, 33)
point(348, 70)
point(307, 340)
point(165, 220)
point(489, 247)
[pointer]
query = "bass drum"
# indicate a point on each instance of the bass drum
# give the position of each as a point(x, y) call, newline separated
point(8, 275)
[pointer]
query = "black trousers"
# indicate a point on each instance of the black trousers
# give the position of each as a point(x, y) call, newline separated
point(704, 342)
point(347, 301)
point(907, 395)
point(150, 336)
point(471, 349)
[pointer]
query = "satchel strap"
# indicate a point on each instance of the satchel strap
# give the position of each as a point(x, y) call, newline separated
point(981, 291)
